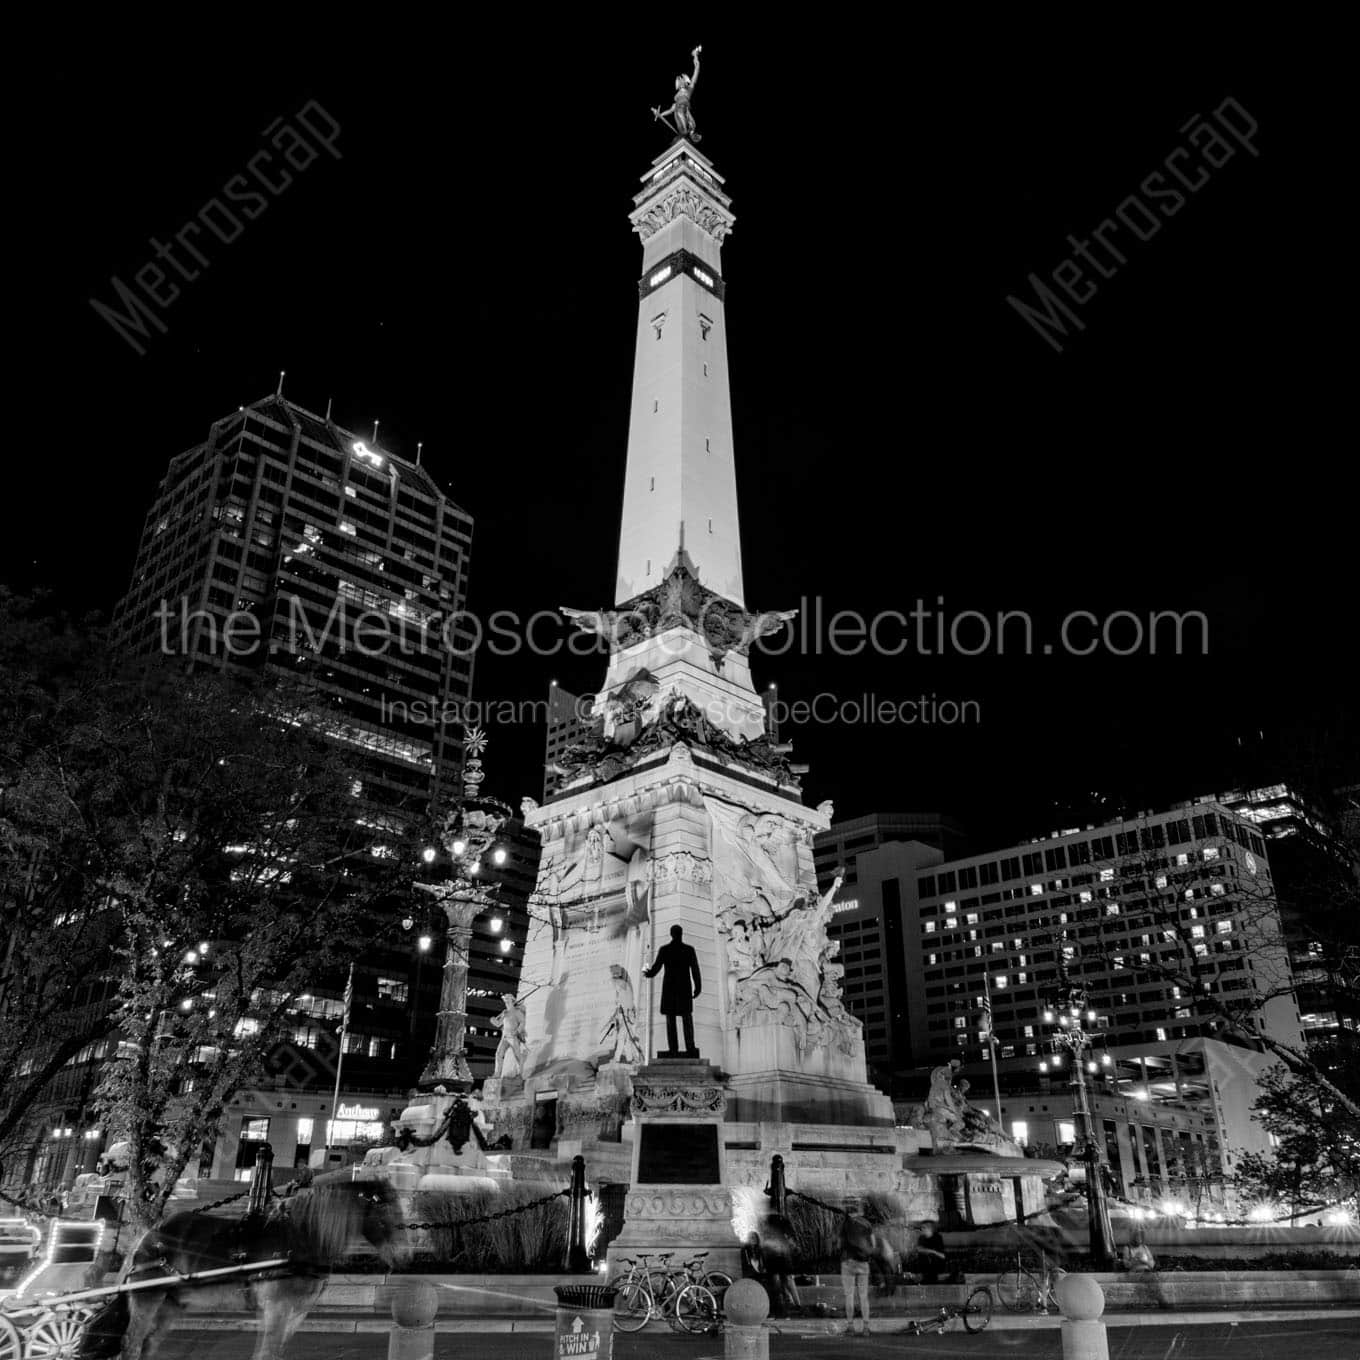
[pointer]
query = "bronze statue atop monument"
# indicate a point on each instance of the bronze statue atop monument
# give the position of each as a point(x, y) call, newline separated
point(684, 90)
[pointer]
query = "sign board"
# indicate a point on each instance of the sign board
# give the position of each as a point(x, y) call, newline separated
point(678, 1154)
point(364, 1112)
point(580, 1341)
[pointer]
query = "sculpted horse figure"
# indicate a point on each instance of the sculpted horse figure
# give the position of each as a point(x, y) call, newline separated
point(317, 1229)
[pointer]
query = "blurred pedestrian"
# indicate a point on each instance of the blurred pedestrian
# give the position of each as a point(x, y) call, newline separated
point(931, 1259)
point(780, 1249)
point(858, 1248)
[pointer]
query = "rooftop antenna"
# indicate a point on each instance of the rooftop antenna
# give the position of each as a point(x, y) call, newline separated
point(328, 409)
point(419, 446)
point(278, 392)
point(375, 431)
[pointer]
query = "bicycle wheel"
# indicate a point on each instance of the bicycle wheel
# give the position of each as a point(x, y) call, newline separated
point(719, 1282)
point(977, 1311)
point(632, 1305)
point(696, 1310)
point(1018, 1290)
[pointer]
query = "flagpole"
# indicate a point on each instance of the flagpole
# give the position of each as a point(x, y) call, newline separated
point(991, 1046)
point(339, 1064)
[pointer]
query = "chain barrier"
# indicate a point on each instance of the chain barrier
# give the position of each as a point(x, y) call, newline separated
point(485, 1218)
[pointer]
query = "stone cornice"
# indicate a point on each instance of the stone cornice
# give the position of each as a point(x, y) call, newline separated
point(682, 198)
point(678, 780)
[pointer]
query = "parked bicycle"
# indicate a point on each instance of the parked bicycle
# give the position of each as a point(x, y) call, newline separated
point(1023, 1291)
point(976, 1312)
point(688, 1297)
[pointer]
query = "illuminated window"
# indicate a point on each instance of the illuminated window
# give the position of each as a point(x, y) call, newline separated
point(1067, 1131)
point(342, 1132)
point(1020, 1131)
point(392, 989)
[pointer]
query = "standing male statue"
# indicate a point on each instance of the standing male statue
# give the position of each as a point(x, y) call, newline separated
point(684, 89)
point(510, 1022)
point(677, 1001)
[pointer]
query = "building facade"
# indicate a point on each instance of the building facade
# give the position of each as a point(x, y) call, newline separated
point(569, 720)
point(1126, 909)
point(285, 545)
point(945, 955)
point(878, 855)
point(1316, 871)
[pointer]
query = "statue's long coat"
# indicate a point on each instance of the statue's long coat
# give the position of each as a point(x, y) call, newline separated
point(681, 964)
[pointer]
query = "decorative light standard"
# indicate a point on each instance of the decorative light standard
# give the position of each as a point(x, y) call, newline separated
point(468, 838)
point(1068, 1010)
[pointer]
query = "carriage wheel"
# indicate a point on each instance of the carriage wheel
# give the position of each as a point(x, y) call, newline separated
point(11, 1343)
point(56, 1335)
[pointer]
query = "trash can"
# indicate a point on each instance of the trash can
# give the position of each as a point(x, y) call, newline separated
point(585, 1321)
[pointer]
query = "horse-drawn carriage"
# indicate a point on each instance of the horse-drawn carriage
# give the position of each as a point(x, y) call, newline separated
point(281, 1250)
point(44, 1321)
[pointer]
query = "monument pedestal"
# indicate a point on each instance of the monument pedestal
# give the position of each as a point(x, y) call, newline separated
point(679, 1199)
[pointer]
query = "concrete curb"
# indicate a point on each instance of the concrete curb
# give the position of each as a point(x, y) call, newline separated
point(814, 1327)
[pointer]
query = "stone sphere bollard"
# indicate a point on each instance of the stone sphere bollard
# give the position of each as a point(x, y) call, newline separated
point(414, 1305)
point(1082, 1301)
point(747, 1305)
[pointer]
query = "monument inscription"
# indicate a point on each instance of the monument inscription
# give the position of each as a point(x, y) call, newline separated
point(678, 1154)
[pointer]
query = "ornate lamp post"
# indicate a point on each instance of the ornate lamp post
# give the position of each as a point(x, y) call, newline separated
point(468, 844)
point(1068, 1010)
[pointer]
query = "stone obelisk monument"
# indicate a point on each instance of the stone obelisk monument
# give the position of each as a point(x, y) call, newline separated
point(679, 808)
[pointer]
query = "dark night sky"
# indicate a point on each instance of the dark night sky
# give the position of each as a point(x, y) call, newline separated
point(466, 273)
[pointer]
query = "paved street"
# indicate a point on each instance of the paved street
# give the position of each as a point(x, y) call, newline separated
point(1318, 1339)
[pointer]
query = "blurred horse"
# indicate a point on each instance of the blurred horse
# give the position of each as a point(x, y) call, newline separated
point(316, 1229)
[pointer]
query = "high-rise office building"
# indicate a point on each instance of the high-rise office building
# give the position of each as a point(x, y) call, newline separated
point(288, 547)
point(1316, 873)
point(1118, 907)
point(285, 545)
point(569, 719)
point(876, 854)
point(842, 842)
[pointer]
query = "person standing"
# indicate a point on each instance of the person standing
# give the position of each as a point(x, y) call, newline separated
point(857, 1249)
point(781, 1252)
point(677, 1001)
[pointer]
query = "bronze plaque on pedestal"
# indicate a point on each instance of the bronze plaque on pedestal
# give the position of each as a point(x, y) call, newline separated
point(678, 1154)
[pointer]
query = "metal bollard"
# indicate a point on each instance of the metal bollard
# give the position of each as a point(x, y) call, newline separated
point(1082, 1301)
point(746, 1337)
point(414, 1304)
point(776, 1191)
point(577, 1258)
